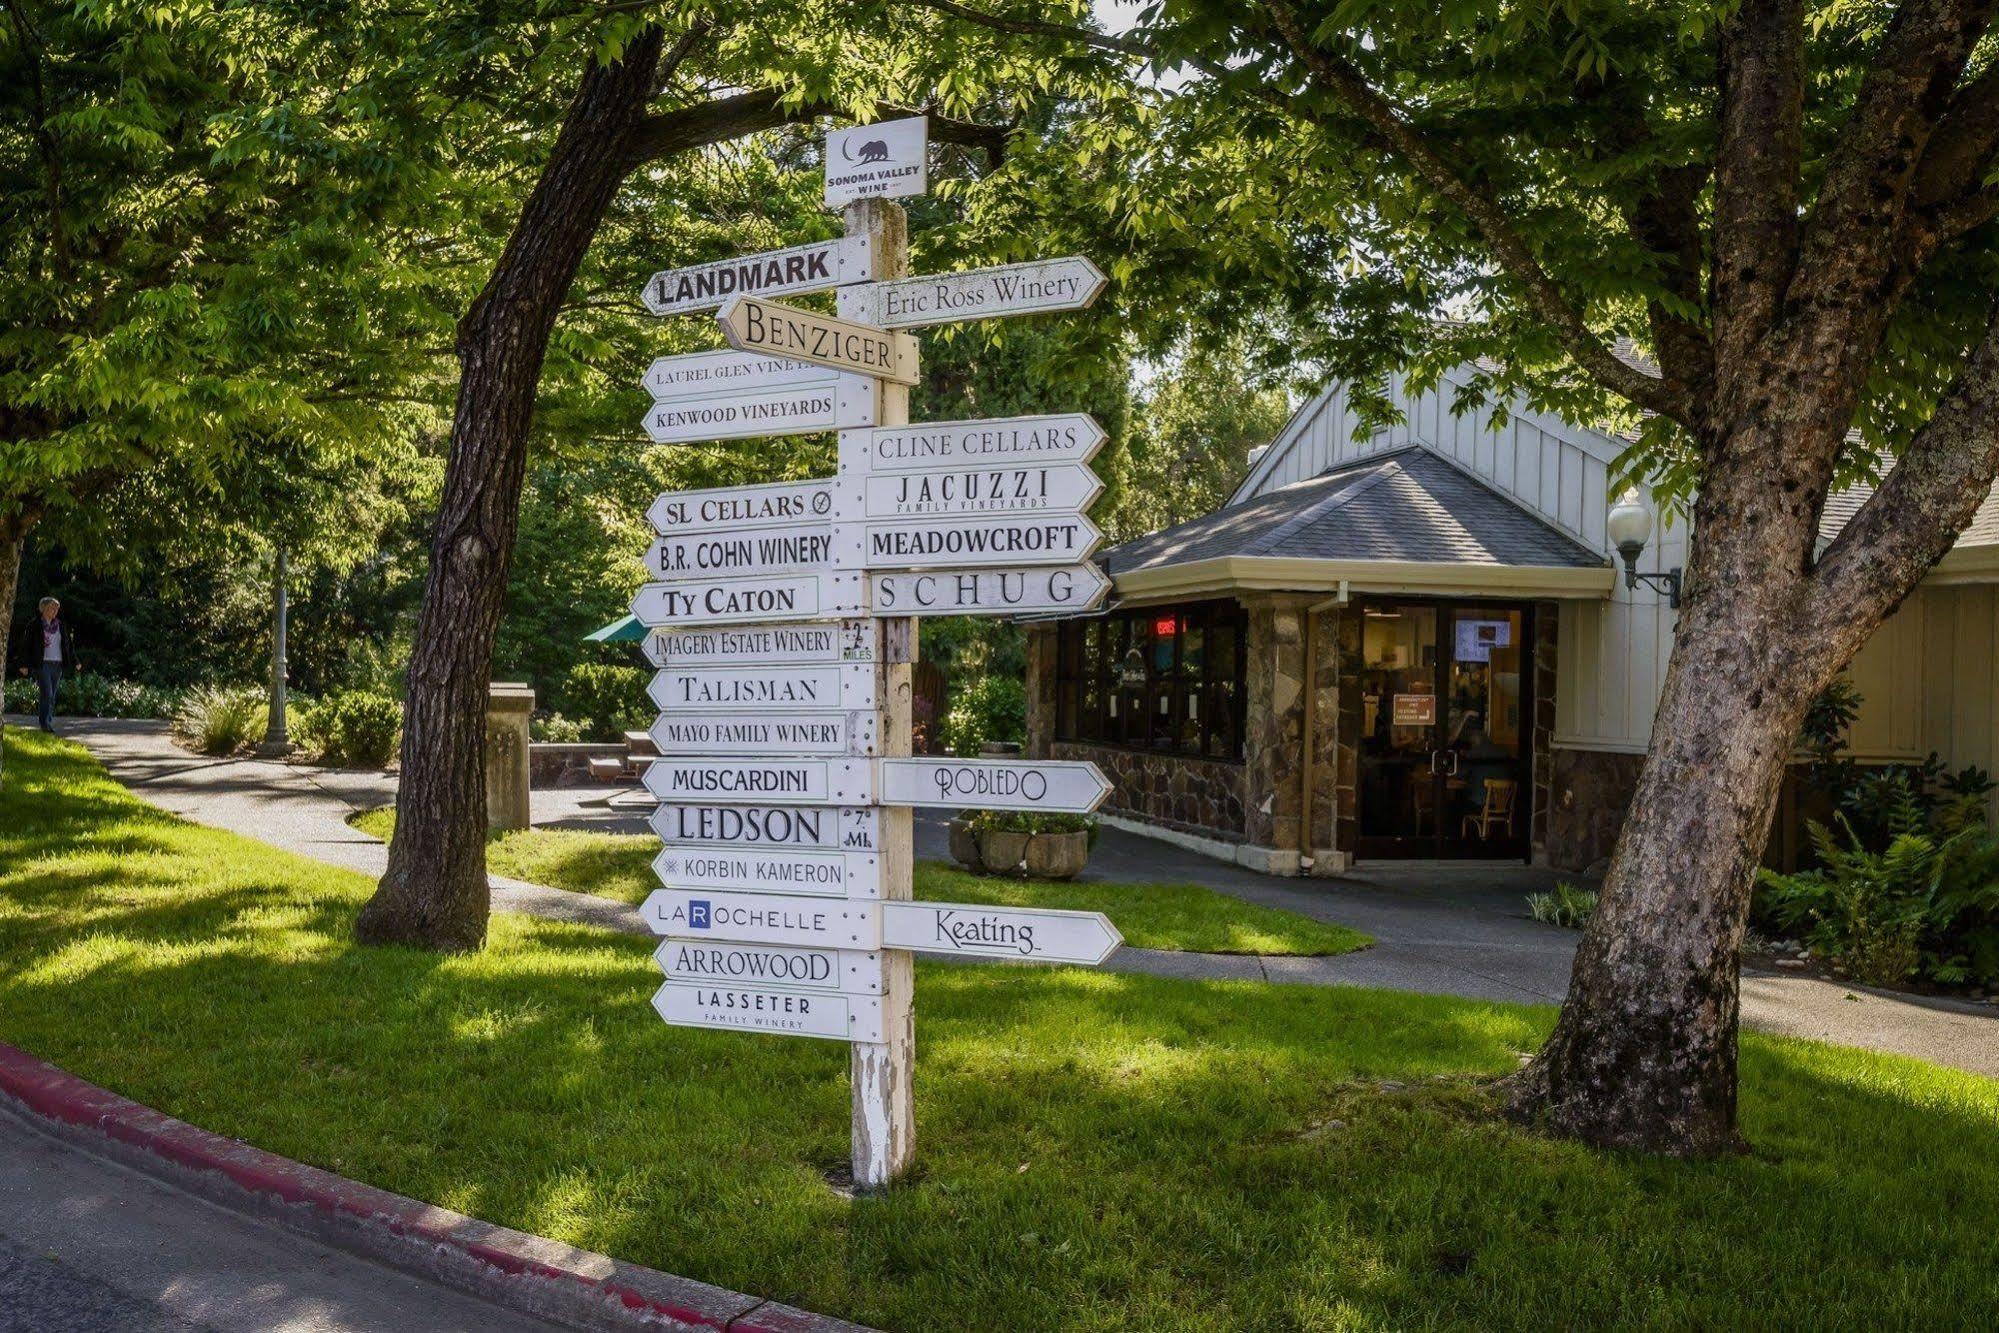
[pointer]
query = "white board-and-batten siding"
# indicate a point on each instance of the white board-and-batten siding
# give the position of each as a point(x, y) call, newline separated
point(1612, 653)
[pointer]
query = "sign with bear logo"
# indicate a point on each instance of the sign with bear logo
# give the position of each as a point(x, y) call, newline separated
point(886, 160)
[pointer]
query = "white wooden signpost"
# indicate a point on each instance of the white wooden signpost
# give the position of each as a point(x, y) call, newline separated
point(782, 624)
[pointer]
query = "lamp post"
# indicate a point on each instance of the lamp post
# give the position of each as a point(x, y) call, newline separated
point(277, 740)
point(1630, 527)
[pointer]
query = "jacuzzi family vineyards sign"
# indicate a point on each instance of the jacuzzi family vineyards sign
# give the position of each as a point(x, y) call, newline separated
point(781, 624)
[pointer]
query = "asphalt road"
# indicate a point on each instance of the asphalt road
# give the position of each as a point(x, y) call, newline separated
point(88, 1244)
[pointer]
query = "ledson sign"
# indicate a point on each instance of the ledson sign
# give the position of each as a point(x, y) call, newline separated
point(782, 623)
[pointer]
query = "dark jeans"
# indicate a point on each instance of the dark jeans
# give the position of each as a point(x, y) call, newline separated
point(51, 677)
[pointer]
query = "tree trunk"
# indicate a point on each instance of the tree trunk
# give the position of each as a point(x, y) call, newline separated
point(14, 529)
point(435, 894)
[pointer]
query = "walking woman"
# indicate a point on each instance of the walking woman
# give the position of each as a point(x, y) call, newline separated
point(50, 649)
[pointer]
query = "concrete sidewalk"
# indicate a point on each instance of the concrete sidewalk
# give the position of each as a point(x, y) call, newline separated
point(1443, 930)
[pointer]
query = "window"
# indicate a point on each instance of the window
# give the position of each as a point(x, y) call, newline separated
point(1160, 678)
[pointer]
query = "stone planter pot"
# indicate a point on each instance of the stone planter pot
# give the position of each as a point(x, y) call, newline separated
point(1001, 853)
point(964, 845)
point(1057, 855)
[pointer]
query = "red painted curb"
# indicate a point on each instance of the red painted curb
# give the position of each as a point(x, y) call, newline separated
point(531, 1273)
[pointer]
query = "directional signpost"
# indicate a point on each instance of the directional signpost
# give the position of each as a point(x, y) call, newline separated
point(782, 624)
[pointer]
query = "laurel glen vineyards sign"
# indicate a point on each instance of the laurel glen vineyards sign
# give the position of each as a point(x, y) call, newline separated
point(780, 622)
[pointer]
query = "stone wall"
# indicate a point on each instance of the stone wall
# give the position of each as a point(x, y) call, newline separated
point(1042, 641)
point(567, 764)
point(1273, 721)
point(1195, 795)
point(1590, 790)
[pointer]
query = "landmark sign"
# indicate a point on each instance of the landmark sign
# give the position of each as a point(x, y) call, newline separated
point(763, 918)
point(832, 733)
point(1062, 488)
point(783, 870)
point(733, 508)
point(682, 690)
point(785, 1012)
point(730, 645)
point(1066, 437)
point(1024, 540)
point(889, 159)
point(721, 601)
point(992, 592)
point(980, 293)
point(814, 267)
point(703, 374)
point(1070, 785)
point(752, 324)
point(762, 781)
point(849, 971)
point(1025, 934)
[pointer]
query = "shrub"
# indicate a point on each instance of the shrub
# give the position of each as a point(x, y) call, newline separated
point(18, 696)
point(992, 707)
point(84, 694)
point(553, 729)
point(1567, 906)
point(221, 719)
point(352, 728)
point(1867, 911)
point(606, 701)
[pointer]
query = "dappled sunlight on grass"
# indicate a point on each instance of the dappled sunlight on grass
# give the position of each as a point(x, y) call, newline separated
point(1094, 1149)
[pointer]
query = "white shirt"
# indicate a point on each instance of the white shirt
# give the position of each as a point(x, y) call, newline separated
point(51, 642)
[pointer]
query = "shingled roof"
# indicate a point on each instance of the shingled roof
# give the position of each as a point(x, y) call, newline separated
point(1409, 505)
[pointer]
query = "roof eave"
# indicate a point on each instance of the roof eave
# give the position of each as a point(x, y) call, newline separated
point(1415, 578)
point(1966, 564)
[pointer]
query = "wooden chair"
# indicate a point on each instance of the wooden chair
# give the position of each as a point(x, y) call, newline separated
point(1422, 802)
point(1497, 812)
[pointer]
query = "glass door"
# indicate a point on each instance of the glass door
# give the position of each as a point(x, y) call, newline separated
point(1446, 730)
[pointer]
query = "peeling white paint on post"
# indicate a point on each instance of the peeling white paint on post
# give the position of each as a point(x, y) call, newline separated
point(881, 1073)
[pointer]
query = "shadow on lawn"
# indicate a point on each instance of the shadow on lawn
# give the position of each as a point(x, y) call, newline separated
point(1094, 1149)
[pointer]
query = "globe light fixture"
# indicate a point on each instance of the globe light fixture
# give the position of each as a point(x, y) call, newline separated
point(1630, 527)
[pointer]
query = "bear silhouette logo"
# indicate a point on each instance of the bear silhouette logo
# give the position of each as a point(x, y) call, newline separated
point(874, 150)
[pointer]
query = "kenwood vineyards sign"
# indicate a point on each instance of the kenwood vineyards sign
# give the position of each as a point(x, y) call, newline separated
point(782, 627)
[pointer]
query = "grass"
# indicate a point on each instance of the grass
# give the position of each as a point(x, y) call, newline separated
point(1095, 1150)
point(1149, 916)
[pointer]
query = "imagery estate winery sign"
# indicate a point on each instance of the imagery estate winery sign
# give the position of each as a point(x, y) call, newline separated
point(782, 623)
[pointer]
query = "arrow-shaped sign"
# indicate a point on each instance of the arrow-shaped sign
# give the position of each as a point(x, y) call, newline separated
point(989, 592)
point(786, 1013)
point(762, 781)
point(991, 540)
point(786, 410)
point(810, 596)
point(821, 874)
point(1063, 437)
point(767, 733)
point(703, 374)
point(794, 549)
point(726, 508)
point(762, 645)
point(734, 689)
point(813, 267)
point(1072, 785)
point(763, 918)
point(1025, 934)
point(754, 325)
point(999, 488)
point(854, 971)
point(980, 293)
point(854, 828)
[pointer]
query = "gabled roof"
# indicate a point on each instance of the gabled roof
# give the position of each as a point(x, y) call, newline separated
point(1408, 521)
point(1408, 505)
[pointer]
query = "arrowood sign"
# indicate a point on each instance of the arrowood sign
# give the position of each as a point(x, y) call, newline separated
point(755, 325)
point(848, 971)
point(959, 592)
point(981, 293)
point(802, 268)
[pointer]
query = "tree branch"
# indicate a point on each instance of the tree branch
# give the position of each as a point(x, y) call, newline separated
point(1756, 172)
point(668, 133)
point(1914, 518)
point(1489, 215)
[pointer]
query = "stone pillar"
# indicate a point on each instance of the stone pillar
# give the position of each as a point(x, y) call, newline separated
point(1546, 645)
point(1041, 701)
point(1328, 670)
point(1273, 731)
point(1346, 775)
point(508, 705)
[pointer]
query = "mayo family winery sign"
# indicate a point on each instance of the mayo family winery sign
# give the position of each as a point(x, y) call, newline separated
point(767, 733)
point(752, 324)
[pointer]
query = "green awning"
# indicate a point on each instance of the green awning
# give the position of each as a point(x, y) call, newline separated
point(625, 630)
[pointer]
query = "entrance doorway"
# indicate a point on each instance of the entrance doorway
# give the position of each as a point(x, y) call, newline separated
point(1447, 729)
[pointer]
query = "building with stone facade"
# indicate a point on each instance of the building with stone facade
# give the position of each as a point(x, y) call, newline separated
point(1421, 644)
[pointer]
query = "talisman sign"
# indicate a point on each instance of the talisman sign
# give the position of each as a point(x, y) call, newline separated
point(888, 159)
point(840, 970)
point(784, 1012)
point(1072, 785)
point(781, 870)
point(763, 918)
point(754, 325)
point(767, 733)
point(1067, 437)
point(1064, 488)
point(733, 689)
point(958, 592)
point(801, 268)
point(980, 541)
point(846, 828)
point(762, 781)
point(1029, 935)
point(704, 374)
point(980, 293)
point(731, 508)
point(813, 596)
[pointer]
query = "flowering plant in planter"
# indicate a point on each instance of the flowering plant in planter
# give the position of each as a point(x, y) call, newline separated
point(1000, 842)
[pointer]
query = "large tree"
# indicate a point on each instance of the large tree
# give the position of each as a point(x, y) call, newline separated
point(1785, 206)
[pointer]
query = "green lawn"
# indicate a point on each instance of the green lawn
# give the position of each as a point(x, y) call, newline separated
point(1150, 916)
point(1096, 1150)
